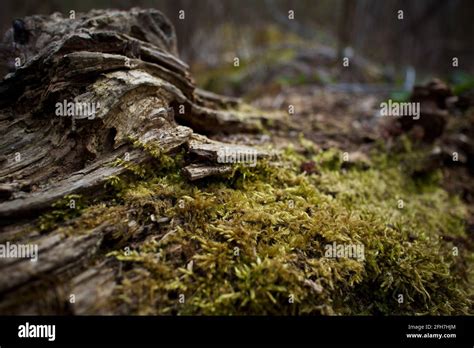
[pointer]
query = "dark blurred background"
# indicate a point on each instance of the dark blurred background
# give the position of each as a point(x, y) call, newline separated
point(431, 33)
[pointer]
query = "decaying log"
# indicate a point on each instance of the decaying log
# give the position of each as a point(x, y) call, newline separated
point(87, 89)
point(199, 171)
point(212, 151)
point(92, 66)
point(217, 157)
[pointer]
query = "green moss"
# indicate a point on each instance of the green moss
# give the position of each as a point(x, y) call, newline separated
point(71, 207)
point(65, 209)
point(254, 242)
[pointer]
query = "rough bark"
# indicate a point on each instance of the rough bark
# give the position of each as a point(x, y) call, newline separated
point(125, 64)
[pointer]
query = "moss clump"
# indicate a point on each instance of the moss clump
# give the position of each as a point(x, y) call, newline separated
point(65, 209)
point(101, 207)
point(256, 242)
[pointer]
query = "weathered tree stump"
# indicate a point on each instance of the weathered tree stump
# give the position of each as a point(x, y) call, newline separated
point(83, 89)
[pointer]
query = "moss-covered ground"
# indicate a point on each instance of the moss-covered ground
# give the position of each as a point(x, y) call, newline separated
point(255, 242)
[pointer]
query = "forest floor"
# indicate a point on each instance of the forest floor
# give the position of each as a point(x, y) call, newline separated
point(353, 215)
point(256, 242)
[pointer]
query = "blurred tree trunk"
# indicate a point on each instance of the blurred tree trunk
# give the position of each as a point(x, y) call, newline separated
point(345, 27)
